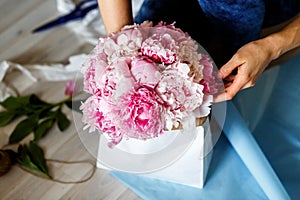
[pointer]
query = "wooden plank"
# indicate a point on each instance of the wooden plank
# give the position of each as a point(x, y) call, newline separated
point(14, 10)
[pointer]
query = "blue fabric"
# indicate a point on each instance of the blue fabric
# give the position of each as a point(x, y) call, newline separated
point(221, 26)
point(241, 19)
point(278, 11)
point(277, 132)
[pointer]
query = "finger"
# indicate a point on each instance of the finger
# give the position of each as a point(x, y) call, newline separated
point(235, 87)
point(227, 69)
point(248, 85)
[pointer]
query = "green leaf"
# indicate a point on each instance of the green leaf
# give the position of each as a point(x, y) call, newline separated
point(47, 113)
point(23, 129)
point(6, 117)
point(14, 103)
point(35, 100)
point(25, 160)
point(42, 129)
point(37, 157)
point(38, 107)
point(62, 121)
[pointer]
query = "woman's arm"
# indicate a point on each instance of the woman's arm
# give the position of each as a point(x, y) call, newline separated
point(253, 58)
point(286, 39)
point(115, 14)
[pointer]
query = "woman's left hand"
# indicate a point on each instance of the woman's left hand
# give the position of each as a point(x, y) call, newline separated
point(243, 69)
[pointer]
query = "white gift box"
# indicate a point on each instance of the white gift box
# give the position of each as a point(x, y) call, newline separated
point(179, 156)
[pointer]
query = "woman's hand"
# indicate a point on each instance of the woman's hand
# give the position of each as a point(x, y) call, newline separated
point(243, 69)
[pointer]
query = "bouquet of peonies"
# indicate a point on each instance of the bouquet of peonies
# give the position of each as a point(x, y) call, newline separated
point(145, 80)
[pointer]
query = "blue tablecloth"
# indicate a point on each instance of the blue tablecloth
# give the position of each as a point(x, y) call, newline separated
point(271, 110)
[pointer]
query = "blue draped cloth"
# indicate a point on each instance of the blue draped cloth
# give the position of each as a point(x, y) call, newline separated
point(272, 112)
point(278, 129)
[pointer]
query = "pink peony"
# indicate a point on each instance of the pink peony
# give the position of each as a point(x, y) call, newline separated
point(123, 44)
point(116, 80)
point(97, 115)
point(209, 82)
point(176, 33)
point(140, 114)
point(188, 54)
point(144, 79)
point(144, 28)
point(91, 114)
point(179, 92)
point(145, 71)
point(160, 48)
point(93, 69)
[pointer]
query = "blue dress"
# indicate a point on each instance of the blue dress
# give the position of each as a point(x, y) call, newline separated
point(220, 26)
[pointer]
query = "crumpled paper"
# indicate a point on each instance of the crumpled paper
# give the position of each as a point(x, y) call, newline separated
point(15, 78)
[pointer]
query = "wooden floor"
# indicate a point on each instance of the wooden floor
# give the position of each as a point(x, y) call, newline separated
point(19, 45)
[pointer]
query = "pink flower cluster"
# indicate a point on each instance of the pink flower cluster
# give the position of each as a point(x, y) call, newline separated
point(145, 79)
